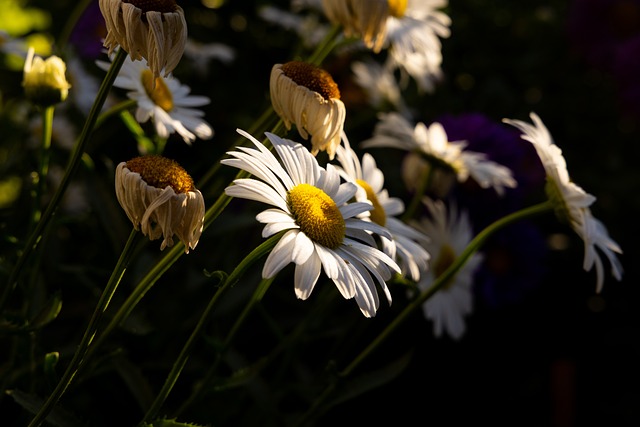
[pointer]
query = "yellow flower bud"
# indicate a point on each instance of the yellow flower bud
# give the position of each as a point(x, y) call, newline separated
point(44, 81)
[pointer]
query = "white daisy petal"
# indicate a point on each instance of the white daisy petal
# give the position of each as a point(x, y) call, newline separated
point(312, 204)
point(571, 201)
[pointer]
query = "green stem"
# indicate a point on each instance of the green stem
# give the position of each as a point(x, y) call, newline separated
point(440, 281)
point(180, 362)
point(72, 166)
point(255, 298)
point(78, 357)
point(43, 167)
point(326, 46)
point(116, 109)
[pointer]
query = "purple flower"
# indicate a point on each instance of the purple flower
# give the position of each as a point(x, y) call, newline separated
point(88, 34)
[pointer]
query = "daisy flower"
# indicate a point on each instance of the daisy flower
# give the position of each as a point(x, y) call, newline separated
point(307, 96)
point(449, 234)
point(432, 142)
point(168, 103)
point(571, 201)
point(411, 28)
point(153, 30)
point(322, 231)
point(161, 200)
point(406, 243)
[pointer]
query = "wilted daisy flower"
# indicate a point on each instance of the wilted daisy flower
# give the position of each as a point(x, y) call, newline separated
point(307, 96)
point(164, 100)
point(406, 243)
point(44, 81)
point(431, 142)
point(449, 235)
point(153, 30)
point(571, 201)
point(411, 29)
point(322, 230)
point(160, 199)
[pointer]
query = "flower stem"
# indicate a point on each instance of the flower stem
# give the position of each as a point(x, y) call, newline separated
point(78, 357)
point(43, 167)
point(183, 357)
point(440, 281)
point(72, 166)
point(255, 298)
point(326, 46)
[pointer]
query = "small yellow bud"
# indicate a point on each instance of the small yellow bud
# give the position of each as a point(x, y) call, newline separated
point(44, 81)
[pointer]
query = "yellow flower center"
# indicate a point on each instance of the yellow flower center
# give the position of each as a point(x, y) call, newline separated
point(377, 214)
point(313, 78)
point(397, 8)
point(160, 94)
point(317, 215)
point(158, 171)
point(445, 258)
point(164, 6)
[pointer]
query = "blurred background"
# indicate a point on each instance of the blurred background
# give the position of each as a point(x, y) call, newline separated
point(541, 348)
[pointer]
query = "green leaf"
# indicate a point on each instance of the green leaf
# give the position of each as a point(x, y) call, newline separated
point(48, 313)
point(32, 403)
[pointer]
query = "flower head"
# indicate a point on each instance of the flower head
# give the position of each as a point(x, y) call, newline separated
point(44, 81)
point(160, 199)
point(432, 142)
point(449, 235)
point(321, 229)
point(411, 29)
point(153, 30)
point(571, 201)
point(307, 96)
point(164, 100)
point(406, 243)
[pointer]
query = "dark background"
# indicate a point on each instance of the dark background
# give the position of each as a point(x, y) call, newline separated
point(557, 355)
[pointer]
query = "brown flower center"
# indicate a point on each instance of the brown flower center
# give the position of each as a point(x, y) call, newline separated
point(313, 78)
point(163, 6)
point(158, 171)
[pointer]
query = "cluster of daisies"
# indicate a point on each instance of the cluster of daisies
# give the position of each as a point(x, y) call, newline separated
point(338, 218)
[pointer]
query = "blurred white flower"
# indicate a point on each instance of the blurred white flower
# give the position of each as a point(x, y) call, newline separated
point(449, 234)
point(395, 131)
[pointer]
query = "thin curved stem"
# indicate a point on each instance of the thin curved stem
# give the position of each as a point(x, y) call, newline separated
point(255, 298)
point(183, 357)
point(72, 166)
point(78, 357)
